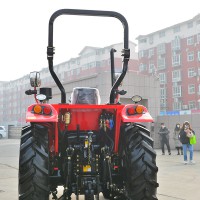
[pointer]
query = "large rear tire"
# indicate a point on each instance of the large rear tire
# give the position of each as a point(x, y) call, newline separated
point(138, 160)
point(33, 163)
point(89, 197)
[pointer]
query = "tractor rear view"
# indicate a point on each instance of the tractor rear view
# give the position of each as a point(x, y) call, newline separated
point(83, 146)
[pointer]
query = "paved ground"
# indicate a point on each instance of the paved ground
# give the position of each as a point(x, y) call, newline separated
point(177, 181)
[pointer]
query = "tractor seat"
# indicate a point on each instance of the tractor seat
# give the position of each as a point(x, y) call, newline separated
point(85, 95)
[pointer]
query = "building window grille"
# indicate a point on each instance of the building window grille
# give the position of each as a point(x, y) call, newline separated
point(151, 67)
point(176, 76)
point(144, 40)
point(176, 60)
point(151, 52)
point(143, 53)
point(161, 63)
point(176, 91)
point(163, 104)
point(198, 37)
point(190, 56)
point(162, 78)
point(198, 22)
point(191, 89)
point(191, 72)
point(190, 40)
point(161, 34)
point(177, 29)
point(161, 48)
point(163, 93)
point(191, 105)
point(176, 43)
point(198, 55)
point(177, 105)
point(142, 67)
point(190, 25)
point(151, 39)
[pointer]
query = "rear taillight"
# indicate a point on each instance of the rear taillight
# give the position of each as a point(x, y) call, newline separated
point(47, 110)
point(136, 109)
point(43, 110)
point(37, 109)
point(139, 109)
point(131, 111)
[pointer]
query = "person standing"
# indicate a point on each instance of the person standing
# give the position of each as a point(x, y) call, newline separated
point(176, 137)
point(185, 134)
point(164, 136)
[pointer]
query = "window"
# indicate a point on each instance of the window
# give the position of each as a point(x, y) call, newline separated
point(198, 22)
point(163, 104)
point(163, 93)
point(98, 64)
point(176, 60)
point(176, 43)
point(176, 76)
point(190, 40)
point(198, 55)
point(151, 52)
point(176, 91)
point(198, 37)
point(191, 89)
point(161, 34)
point(151, 39)
point(151, 67)
point(191, 72)
point(162, 78)
point(176, 29)
point(190, 56)
point(142, 67)
point(161, 48)
point(192, 105)
point(161, 63)
point(144, 40)
point(190, 24)
point(143, 53)
point(177, 105)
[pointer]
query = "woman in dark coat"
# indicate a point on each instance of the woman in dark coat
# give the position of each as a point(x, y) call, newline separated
point(185, 134)
point(176, 138)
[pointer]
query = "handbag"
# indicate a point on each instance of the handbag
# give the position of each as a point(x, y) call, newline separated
point(193, 139)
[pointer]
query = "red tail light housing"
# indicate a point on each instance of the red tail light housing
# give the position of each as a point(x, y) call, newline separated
point(47, 110)
point(42, 110)
point(136, 109)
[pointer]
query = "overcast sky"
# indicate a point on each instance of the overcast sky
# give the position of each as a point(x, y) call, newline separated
point(24, 28)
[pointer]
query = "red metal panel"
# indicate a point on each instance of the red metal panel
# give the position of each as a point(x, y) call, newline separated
point(31, 117)
point(145, 117)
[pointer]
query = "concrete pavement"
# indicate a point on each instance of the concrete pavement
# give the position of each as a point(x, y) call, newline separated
point(176, 180)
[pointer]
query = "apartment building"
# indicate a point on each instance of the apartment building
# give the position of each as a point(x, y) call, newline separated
point(173, 55)
point(90, 69)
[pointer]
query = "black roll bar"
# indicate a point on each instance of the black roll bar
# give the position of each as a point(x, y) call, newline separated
point(50, 48)
point(112, 63)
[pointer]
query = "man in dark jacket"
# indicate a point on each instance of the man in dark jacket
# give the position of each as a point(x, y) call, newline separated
point(164, 136)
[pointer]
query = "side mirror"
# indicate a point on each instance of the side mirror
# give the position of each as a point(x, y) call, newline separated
point(35, 80)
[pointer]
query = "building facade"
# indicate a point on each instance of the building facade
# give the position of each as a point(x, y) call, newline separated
point(90, 69)
point(173, 55)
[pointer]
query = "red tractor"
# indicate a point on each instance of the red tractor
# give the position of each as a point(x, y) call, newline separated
point(82, 146)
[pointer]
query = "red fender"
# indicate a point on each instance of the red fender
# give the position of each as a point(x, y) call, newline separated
point(144, 117)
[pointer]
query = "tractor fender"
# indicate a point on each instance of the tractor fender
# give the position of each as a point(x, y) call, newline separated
point(143, 117)
point(41, 117)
